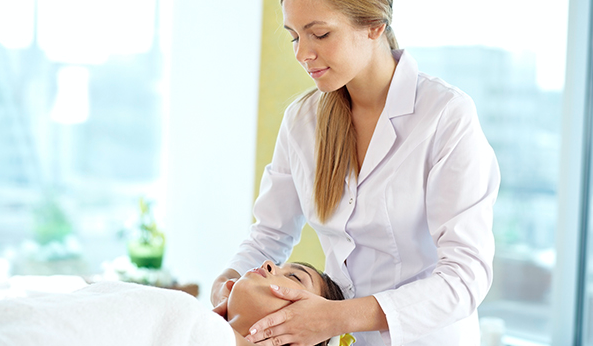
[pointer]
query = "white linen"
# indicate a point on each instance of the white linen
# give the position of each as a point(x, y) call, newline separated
point(112, 313)
point(34, 285)
point(416, 228)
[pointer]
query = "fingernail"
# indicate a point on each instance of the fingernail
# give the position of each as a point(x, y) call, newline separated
point(274, 287)
point(252, 332)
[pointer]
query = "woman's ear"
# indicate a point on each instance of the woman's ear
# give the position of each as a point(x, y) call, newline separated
point(376, 31)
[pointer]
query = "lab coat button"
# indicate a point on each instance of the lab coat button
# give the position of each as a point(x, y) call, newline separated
point(349, 240)
point(351, 200)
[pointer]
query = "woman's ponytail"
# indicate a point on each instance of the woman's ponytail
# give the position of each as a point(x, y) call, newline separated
point(336, 150)
point(337, 158)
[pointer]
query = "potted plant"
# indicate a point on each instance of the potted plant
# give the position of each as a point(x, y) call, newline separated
point(147, 246)
point(50, 222)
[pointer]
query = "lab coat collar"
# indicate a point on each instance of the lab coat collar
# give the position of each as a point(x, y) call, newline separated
point(401, 96)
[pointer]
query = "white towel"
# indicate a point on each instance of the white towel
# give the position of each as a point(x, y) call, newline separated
point(112, 313)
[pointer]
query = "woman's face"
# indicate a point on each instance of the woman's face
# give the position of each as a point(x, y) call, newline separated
point(251, 295)
point(326, 44)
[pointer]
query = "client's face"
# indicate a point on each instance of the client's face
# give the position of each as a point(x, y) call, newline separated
point(251, 297)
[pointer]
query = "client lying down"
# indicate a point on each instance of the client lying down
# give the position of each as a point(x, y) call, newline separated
point(117, 313)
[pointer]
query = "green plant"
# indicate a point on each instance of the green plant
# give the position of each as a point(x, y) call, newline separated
point(148, 228)
point(147, 247)
point(50, 222)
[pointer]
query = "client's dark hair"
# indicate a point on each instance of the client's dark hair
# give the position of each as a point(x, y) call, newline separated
point(330, 290)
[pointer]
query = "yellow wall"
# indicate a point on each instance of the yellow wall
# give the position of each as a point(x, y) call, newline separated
point(281, 80)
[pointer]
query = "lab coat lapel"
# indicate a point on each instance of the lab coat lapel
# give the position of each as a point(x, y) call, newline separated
point(400, 101)
point(381, 143)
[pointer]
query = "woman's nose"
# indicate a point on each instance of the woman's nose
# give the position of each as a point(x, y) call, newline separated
point(269, 267)
point(303, 53)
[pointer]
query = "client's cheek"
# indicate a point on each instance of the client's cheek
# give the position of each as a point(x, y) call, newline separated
point(271, 302)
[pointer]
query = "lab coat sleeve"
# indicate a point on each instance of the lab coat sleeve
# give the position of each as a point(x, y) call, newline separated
point(461, 189)
point(277, 210)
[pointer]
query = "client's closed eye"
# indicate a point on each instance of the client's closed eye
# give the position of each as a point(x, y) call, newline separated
point(295, 276)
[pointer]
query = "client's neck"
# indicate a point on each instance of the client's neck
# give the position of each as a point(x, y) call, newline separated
point(241, 324)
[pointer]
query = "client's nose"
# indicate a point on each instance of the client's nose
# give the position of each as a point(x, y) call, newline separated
point(269, 267)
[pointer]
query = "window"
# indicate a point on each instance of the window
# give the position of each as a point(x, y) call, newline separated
point(152, 118)
point(513, 68)
point(81, 109)
point(80, 129)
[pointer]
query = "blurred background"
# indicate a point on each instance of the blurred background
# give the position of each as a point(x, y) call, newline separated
point(178, 102)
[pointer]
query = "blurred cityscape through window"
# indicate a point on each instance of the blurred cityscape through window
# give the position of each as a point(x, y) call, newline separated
point(522, 122)
point(80, 129)
point(511, 60)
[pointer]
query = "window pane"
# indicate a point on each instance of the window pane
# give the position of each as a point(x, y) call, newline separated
point(516, 81)
point(80, 130)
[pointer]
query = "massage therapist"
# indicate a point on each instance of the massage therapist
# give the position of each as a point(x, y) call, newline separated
point(392, 170)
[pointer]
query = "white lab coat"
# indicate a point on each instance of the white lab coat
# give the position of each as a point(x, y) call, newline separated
point(415, 230)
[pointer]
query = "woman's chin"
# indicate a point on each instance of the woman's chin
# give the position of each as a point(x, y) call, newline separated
point(327, 87)
point(251, 297)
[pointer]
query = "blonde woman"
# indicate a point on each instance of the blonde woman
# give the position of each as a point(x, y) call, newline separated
point(392, 170)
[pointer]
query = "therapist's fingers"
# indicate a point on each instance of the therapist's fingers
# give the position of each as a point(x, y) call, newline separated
point(306, 321)
point(289, 293)
point(222, 292)
point(277, 335)
point(264, 325)
point(221, 308)
point(272, 329)
point(277, 340)
point(268, 327)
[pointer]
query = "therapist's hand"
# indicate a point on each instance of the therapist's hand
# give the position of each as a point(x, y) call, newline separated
point(221, 308)
point(221, 288)
point(306, 321)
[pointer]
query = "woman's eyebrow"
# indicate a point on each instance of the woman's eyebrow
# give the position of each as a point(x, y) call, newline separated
point(306, 26)
point(301, 268)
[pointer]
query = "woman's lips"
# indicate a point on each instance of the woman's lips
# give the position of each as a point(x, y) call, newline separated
point(259, 271)
point(316, 73)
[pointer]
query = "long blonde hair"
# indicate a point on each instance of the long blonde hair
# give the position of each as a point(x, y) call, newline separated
point(335, 134)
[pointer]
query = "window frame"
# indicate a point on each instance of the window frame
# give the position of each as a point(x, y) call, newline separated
point(574, 181)
point(581, 316)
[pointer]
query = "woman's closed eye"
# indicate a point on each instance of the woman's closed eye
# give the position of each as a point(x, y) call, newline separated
point(295, 276)
point(319, 37)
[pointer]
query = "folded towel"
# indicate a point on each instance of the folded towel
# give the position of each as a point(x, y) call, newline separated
point(112, 313)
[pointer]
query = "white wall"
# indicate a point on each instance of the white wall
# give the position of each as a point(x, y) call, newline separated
point(213, 70)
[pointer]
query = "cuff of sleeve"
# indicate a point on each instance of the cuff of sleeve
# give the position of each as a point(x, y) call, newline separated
point(395, 333)
point(239, 266)
point(245, 260)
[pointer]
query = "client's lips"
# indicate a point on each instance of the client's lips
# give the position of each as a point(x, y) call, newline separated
point(259, 271)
